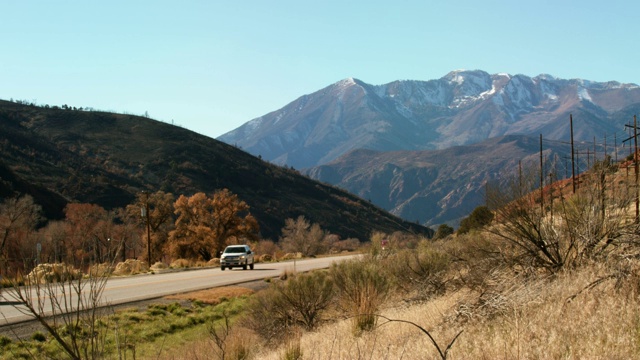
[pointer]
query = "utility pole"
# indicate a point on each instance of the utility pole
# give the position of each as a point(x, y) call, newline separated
point(145, 214)
point(635, 164)
point(520, 190)
point(541, 178)
point(573, 166)
point(615, 147)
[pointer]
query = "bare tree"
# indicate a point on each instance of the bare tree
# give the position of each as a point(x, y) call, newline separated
point(160, 217)
point(301, 236)
point(18, 219)
point(68, 305)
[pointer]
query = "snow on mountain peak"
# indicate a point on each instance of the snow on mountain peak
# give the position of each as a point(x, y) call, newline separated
point(583, 94)
point(457, 78)
point(346, 82)
point(546, 77)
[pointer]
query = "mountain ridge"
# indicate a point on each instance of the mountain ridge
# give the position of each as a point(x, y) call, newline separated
point(461, 108)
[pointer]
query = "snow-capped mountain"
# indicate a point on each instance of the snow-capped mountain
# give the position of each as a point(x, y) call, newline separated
point(461, 108)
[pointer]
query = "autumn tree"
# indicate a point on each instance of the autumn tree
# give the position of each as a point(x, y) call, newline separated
point(53, 236)
point(83, 244)
point(115, 234)
point(160, 216)
point(205, 225)
point(18, 219)
point(126, 237)
point(301, 236)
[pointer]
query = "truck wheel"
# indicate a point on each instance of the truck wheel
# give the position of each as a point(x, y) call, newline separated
point(244, 267)
point(251, 266)
point(222, 268)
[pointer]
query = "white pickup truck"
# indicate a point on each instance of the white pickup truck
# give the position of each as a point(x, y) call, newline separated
point(236, 255)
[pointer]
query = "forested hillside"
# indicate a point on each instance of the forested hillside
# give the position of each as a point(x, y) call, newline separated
point(62, 155)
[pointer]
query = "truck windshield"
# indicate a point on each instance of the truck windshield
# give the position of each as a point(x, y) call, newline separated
point(234, 250)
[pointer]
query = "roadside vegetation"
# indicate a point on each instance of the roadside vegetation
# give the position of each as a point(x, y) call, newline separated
point(536, 273)
point(130, 333)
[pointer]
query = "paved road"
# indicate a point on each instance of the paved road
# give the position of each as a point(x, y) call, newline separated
point(143, 287)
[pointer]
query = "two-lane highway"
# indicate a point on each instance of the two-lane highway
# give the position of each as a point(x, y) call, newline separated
point(122, 290)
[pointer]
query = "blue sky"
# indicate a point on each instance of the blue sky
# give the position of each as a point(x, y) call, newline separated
point(211, 66)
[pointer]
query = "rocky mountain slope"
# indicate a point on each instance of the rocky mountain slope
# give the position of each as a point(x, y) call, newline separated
point(439, 186)
point(461, 108)
point(60, 156)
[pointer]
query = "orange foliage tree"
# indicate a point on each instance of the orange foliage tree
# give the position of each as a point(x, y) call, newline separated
point(205, 225)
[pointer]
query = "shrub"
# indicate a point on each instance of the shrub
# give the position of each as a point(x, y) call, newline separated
point(556, 232)
point(363, 286)
point(293, 351)
point(269, 321)
point(266, 247)
point(480, 217)
point(229, 341)
point(4, 341)
point(443, 231)
point(304, 298)
point(422, 270)
point(345, 245)
point(277, 312)
point(50, 273)
point(38, 336)
point(131, 266)
point(180, 263)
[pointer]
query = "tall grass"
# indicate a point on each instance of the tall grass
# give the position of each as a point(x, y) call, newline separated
point(589, 313)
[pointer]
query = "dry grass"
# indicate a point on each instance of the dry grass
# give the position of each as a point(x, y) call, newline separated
point(600, 322)
point(213, 296)
point(389, 341)
point(584, 314)
point(130, 267)
point(47, 273)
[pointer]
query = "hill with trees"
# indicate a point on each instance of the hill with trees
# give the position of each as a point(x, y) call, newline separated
point(68, 155)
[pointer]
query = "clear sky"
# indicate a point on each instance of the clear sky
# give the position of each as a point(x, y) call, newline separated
point(211, 66)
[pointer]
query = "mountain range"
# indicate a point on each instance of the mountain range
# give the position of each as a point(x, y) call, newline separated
point(461, 108)
point(424, 149)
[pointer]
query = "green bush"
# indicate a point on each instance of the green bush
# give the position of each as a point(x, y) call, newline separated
point(4, 341)
point(38, 336)
point(480, 217)
point(443, 231)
